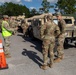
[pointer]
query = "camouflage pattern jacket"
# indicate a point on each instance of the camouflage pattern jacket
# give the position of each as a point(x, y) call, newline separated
point(49, 30)
point(62, 26)
point(7, 26)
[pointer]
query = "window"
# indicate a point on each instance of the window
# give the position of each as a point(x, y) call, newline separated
point(29, 20)
point(55, 21)
point(68, 21)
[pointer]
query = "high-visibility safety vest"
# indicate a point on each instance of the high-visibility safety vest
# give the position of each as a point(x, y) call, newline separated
point(5, 32)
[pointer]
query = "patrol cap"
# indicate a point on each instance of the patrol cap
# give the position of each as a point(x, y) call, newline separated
point(58, 14)
point(50, 16)
point(5, 16)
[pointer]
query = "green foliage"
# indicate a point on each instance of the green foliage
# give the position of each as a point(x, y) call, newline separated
point(46, 6)
point(33, 12)
point(12, 9)
point(67, 6)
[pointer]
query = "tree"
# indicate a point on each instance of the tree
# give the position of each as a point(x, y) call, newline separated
point(12, 9)
point(67, 6)
point(45, 6)
point(41, 10)
point(33, 12)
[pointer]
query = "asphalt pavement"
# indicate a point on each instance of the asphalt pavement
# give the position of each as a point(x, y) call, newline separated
point(27, 57)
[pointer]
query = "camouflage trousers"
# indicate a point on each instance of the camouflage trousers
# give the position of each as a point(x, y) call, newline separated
point(25, 32)
point(48, 48)
point(15, 31)
point(6, 45)
point(60, 44)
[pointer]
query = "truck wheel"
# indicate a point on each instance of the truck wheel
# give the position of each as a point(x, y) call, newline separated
point(66, 41)
point(75, 44)
point(31, 33)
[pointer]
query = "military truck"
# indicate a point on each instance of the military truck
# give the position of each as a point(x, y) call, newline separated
point(39, 20)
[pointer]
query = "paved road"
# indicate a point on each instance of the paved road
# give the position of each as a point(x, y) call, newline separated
point(27, 57)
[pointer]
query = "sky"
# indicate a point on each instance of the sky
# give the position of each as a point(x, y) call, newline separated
point(30, 3)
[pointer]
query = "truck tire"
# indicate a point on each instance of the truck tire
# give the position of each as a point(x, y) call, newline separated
point(75, 44)
point(66, 41)
point(31, 33)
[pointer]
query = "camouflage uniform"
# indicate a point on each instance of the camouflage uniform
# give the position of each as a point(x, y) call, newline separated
point(7, 39)
point(24, 27)
point(61, 38)
point(13, 24)
point(48, 31)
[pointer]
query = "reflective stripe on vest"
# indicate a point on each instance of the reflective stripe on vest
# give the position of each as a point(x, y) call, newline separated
point(5, 32)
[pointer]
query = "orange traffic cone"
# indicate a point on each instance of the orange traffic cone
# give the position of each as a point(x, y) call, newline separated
point(3, 64)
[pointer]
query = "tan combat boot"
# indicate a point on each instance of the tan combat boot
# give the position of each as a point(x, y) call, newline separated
point(62, 57)
point(44, 67)
point(7, 55)
point(50, 65)
point(57, 60)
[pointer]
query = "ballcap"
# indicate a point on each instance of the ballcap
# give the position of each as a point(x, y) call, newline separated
point(5, 16)
point(58, 14)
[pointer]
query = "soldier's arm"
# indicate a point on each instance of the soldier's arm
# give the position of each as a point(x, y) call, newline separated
point(57, 32)
point(15, 24)
point(43, 27)
point(63, 26)
point(27, 25)
point(6, 26)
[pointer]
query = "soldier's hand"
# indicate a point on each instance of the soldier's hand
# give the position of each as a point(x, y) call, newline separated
point(14, 33)
point(42, 37)
point(16, 28)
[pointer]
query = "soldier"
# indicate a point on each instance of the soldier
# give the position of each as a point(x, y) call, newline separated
point(6, 33)
point(61, 38)
point(13, 24)
point(48, 31)
point(24, 27)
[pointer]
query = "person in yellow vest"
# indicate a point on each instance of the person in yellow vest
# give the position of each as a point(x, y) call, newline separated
point(7, 31)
